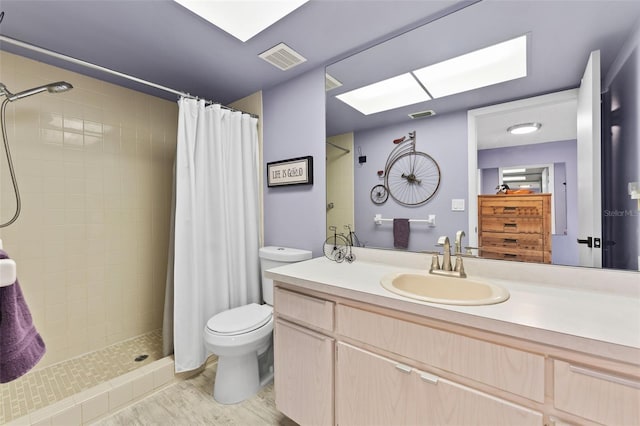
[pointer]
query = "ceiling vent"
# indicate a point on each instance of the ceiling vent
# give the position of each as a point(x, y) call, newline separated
point(427, 113)
point(283, 57)
point(330, 82)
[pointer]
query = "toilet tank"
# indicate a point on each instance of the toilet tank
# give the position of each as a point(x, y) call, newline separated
point(273, 256)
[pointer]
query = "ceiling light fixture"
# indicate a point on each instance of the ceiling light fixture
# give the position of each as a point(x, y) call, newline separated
point(508, 171)
point(483, 67)
point(242, 19)
point(394, 92)
point(513, 178)
point(524, 128)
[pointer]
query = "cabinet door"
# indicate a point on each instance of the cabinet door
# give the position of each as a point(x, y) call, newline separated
point(442, 402)
point(303, 369)
point(372, 390)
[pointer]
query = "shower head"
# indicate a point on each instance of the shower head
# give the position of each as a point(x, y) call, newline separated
point(57, 87)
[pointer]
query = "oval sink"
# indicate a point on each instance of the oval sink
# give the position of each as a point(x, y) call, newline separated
point(447, 290)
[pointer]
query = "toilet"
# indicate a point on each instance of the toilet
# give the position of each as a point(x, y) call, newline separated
point(242, 337)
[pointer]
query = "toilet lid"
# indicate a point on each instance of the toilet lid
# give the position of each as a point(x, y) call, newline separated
point(241, 319)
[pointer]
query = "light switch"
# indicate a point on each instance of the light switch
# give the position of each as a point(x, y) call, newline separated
point(457, 205)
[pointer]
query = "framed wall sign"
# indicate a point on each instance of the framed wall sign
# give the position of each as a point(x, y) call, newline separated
point(294, 171)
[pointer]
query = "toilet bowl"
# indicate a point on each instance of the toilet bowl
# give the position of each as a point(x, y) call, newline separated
point(239, 336)
point(242, 337)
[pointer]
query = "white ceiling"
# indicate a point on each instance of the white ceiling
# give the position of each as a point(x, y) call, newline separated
point(558, 121)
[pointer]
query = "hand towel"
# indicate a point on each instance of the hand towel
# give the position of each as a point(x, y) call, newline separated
point(401, 233)
point(21, 347)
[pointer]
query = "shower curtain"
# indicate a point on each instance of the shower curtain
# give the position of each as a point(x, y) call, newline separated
point(216, 224)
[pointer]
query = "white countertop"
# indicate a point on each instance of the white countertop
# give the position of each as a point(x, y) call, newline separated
point(597, 322)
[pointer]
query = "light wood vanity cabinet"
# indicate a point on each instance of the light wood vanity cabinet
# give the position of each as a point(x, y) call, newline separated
point(304, 358)
point(342, 362)
point(374, 390)
point(604, 397)
point(515, 227)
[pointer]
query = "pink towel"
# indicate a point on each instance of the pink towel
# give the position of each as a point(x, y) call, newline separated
point(21, 347)
point(401, 233)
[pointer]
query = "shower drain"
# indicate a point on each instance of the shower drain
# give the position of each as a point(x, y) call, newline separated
point(141, 358)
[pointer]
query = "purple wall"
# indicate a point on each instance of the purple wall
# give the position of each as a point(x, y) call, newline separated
point(443, 137)
point(564, 250)
point(294, 126)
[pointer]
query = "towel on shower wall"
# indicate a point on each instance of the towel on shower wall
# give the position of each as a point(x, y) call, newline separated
point(21, 347)
point(401, 233)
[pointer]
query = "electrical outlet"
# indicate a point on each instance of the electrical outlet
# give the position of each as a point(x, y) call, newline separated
point(362, 159)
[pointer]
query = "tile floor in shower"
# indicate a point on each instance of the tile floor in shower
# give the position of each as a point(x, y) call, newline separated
point(43, 387)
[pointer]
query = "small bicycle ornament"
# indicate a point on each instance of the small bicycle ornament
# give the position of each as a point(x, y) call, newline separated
point(410, 177)
point(338, 248)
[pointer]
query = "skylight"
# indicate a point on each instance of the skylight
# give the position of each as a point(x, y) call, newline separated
point(494, 64)
point(384, 95)
point(242, 19)
point(484, 67)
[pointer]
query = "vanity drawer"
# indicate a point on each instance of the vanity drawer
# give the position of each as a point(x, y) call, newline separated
point(305, 309)
point(596, 395)
point(512, 225)
point(509, 369)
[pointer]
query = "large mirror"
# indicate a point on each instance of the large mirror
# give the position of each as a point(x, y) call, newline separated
point(465, 133)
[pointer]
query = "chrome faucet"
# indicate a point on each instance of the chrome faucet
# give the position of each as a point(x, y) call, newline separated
point(446, 268)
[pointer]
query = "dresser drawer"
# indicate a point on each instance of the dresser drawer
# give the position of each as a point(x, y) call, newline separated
point(509, 369)
point(512, 207)
point(305, 309)
point(596, 395)
point(505, 240)
point(511, 225)
point(516, 255)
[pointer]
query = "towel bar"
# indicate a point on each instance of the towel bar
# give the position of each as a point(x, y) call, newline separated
point(431, 220)
point(7, 271)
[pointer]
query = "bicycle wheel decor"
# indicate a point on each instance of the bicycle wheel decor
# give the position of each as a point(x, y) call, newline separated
point(379, 194)
point(411, 177)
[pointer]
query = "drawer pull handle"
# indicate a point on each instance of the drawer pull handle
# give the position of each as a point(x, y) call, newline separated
point(510, 256)
point(511, 240)
point(510, 225)
point(430, 378)
point(403, 368)
point(609, 378)
point(510, 209)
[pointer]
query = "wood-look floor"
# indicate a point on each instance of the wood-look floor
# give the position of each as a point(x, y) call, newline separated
point(190, 402)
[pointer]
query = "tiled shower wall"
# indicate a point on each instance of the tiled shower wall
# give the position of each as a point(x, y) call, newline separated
point(94, 166)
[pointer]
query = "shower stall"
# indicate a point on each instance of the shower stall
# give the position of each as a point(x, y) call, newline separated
point(85, 204)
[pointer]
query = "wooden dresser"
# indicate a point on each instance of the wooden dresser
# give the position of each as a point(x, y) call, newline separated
point(515, 227)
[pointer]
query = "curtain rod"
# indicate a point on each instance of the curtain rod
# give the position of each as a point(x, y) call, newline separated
point(109, 71)
point(337, 146)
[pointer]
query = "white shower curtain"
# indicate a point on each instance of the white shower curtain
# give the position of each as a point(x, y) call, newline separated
point(216, 265)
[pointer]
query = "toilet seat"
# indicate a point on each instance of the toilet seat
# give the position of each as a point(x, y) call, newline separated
point(240, 320)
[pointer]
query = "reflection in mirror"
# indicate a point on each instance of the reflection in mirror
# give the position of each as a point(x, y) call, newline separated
point(560, 37)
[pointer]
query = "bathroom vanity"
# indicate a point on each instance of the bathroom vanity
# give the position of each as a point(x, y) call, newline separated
point(348, 351)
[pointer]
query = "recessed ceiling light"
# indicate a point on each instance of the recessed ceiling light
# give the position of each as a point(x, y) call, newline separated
point(513, 178)
point(384, 95)
point(524, 128)
point(507, 171)
point(242, 19)
point(491, 65)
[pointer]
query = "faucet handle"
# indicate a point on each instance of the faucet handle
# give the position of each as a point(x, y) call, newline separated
point(435, 262)
point(459, 268)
